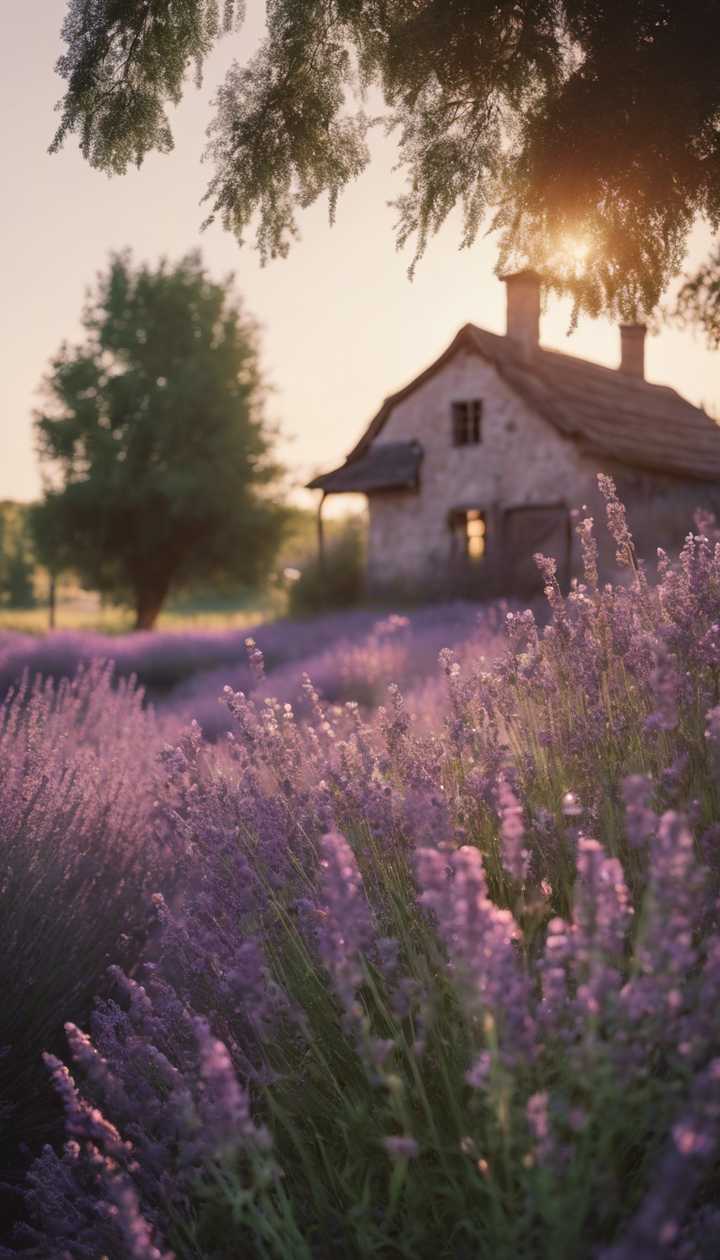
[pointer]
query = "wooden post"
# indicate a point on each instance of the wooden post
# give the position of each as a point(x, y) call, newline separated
point(321, 534)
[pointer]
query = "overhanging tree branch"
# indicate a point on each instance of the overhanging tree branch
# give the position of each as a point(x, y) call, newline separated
point(576, 120)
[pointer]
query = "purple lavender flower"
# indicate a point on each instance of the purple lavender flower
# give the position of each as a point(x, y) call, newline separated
point(478, 1075)
point(577, 1036)
point(555, 973)
point(256, 659)
point(136, 1235)
point(82, 1120)
point(601, 913)
point(538, 1118)
point(589, 548)
point(345, 930)
point(400, 1148)
point(666, 689)
point(224, 1107)
point(640, 819)
point(666, 954)
point(512, 832)
point(480, 940)
point(617, 522)
point(655, 1228)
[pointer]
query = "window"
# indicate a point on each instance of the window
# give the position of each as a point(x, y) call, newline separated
point(467, 422)
point(469, 529)
point(474, 535)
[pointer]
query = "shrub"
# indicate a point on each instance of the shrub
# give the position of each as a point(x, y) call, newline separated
point(335, 580)
point(437, 989)
point(17, 562)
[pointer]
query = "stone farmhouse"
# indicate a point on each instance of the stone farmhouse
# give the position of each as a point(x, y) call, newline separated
point(478, 463)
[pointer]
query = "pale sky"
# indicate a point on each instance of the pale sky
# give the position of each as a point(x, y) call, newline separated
point(342, 324)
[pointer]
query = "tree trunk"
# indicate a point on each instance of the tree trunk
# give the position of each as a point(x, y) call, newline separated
point(52, 591)
point(147, 607)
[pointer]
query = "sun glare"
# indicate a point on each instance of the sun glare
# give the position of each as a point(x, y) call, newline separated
point(576, 249)
point(570, 255)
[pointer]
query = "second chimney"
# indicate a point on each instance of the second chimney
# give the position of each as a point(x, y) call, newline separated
point(523, 307)
point(632, 350)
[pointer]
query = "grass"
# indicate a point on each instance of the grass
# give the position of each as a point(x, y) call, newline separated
point(215, 614)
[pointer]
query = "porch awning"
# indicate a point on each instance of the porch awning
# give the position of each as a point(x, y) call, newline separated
point(385, 466)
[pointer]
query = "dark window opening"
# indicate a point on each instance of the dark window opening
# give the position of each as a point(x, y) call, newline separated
point(467, 422)
point(469, 528)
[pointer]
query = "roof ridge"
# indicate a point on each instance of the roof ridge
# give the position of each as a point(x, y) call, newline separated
point(621, 410)
point(613, 373)
point(633, 382)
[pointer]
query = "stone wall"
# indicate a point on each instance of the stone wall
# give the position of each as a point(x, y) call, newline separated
point(521, 460)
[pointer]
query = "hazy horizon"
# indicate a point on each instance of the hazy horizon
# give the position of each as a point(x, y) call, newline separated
point(342, 324)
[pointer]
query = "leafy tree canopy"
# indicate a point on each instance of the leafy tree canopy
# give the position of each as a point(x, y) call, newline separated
point(17, 561)
point(154, 442)
point(698, 301)
point(587, 121)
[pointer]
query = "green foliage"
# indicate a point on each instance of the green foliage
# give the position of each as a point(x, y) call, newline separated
point(698, 302)
point(335, 580)
point(155, 443)
point(50, 546)
point(566, 117)
point(124, 61)
point(17, 562)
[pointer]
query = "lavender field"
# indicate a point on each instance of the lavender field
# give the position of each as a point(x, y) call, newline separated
point(350, 656)
point(378, 936)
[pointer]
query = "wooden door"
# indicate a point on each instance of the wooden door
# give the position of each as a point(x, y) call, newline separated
point(544, 528)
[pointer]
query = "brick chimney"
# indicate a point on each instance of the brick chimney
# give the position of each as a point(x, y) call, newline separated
point(523, 307)
point(632, 350)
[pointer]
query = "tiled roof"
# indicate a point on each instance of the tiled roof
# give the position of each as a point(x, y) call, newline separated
point(609, 413)
point(387, 466)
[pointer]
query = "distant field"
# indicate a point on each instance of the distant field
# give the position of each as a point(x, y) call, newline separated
point(87, 615)
point(185, 665)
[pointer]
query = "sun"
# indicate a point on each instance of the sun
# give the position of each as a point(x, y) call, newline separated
point(576, 249)
point(570, 255)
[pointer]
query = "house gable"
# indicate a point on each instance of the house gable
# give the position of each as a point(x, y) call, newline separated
point(521, 459)
point(463, 342)
point(520, 453)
